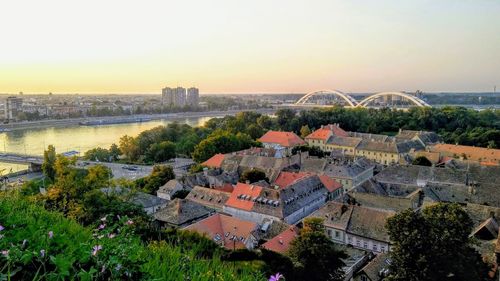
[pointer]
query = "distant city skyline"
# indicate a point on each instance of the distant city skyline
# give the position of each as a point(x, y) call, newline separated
point(249, 46)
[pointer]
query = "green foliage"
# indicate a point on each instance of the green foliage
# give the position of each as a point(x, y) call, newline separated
point(253, 175)
point(221, 142)
point(305, 131)
point(160, 152)
point(98, 154)
point(314, 255)
point(312, 150)
point(160, 175)
point(49, 159)
point(421, 161)
point(433, 245)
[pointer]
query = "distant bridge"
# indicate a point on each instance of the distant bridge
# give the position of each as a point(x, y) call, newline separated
point(351, 102)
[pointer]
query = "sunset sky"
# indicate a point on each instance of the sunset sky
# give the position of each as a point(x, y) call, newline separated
point(121, 46)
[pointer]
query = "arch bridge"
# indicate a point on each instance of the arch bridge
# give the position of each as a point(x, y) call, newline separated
point(351, 102)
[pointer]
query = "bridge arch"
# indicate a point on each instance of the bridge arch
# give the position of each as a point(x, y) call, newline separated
point(415, 100)
point(347, 98)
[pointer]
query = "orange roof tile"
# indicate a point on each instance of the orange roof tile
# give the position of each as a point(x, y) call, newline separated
point(247, 190)
point(285, 179)
point(325, 132)
point(222, 228)
point(330, 183)
point(480, 154)
point(281, 243)
point(226, 187)
point(215, 161)
point(285, 139)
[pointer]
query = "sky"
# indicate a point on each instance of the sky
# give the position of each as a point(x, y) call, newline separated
point(233, 46)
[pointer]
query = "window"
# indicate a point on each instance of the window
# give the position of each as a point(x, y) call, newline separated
point(374, 247)
point(337, 234)
point(358, 242)
point(382, 249)
point(365, 245)
point(364, 278)
point(329, 233)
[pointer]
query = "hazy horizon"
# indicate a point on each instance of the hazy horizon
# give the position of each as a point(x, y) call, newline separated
point(240, 47)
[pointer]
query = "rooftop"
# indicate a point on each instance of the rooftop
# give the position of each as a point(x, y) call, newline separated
point(281, 243)
point(285, 139)
point(182, 211)
point(215, 161)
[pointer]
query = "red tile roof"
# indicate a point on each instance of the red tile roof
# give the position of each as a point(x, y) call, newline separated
point(215, 161)
point(285, 179)
point(481, 154)
point(330, 183)
point(226, 187)
point(281, 243)
point(325, 132)
point(222, 228)
point(248, 191)
point(285, 139)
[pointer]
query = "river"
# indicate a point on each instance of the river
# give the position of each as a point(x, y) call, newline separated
point(75, 137)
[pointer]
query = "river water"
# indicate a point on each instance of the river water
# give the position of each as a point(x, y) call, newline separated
point(78, 138)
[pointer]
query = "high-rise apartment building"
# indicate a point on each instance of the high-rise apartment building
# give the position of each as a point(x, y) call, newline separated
point(179, 97)
point(13, 105)
point(167, 96)
point(193, 97)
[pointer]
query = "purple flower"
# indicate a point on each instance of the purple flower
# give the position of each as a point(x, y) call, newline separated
point(51, 234)
point(101, 227)
point(42, 253)
point(96, 249)
point(5, 253)
point(1, 227)
point(130, 222)
point(276, 277)
point(111, 235)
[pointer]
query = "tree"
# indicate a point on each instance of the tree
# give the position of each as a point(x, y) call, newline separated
point(158, 177)
point(221, 142)
point(160, 152)
point(305, 131)
point(253, 175)
point(97, 154)
point(98, 176)
point(434, 245)
point(128, 146)
point(421, 161)
point(314, 255)
point(114, 152)
point(49, 159)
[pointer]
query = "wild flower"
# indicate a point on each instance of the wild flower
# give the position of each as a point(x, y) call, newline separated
point(104, 219)
point(5, 253)
point(111, 235)
point(51, 234)
point(276, 277)
point(101, 227)
point(130, 222)
point(1, 227)
point(96, 249)
point(1, 236)
point(42, 253)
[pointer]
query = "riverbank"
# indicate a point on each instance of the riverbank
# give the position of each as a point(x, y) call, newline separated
point(121, 119)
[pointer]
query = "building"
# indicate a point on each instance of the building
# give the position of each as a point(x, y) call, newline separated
point(167, 96)
point(13, 106)
point(358, 226)
point(179, 98)
point(285, 179)
point(283, 142)
point(168, 190)
point(322, 137)
point(181, 213)
point(193, 97)
point(281, 242)
point(291, 204)
point(209, 197)
point(481, 155)
point(376, 270)
point(229, 232)
point(148, 202)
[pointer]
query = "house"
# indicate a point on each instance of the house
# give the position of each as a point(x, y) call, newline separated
point(281, 242)
point(387, 152)
point(348, 173)
point(481, 155)
point(214, 161)
point(229, 232)
point(376, 270)
point(286, 179)
point(148, 202)
point(209, 197)
point(358, 226)
point(181, 213)
point(321, 137)
point(282, 142)
point(167, 190)
point(291, 204)
point(424, 137)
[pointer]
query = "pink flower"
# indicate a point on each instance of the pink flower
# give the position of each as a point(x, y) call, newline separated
point(130, 222)
point(51, 234)
point(96, 249)
point(101, 227)
point(5, 253)
point(111, 235)
point(1, 227)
